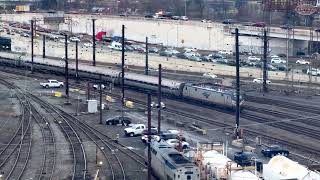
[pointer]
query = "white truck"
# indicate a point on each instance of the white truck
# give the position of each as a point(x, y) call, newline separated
point(134, 130)
point(52, 84)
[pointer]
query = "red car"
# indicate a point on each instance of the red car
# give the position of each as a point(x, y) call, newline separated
point(259, 24)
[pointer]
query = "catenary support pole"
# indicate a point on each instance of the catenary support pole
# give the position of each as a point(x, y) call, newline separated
point(159, 98)
point(32, 37)
point(77, 61)
point(66, 65)
point(146, 70)
point(265, 52)
point(44, 46)
point(100, 92)
point(149, 135)
point(94, 42)
point(122, 66)
point(237, 84)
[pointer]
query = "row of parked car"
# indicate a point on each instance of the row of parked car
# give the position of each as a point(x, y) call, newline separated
point(251, 159)
point(172, 137)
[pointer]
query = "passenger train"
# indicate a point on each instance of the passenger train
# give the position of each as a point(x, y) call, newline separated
point(201, 92)
point(169, 164)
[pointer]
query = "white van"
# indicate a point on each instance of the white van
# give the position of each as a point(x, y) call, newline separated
point(116, 46)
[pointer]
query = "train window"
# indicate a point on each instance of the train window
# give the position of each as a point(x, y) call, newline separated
point(188, 177)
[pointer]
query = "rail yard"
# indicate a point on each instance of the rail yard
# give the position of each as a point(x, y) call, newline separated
point(117, 112)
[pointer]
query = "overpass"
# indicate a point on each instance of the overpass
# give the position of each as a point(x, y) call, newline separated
point(207, 36)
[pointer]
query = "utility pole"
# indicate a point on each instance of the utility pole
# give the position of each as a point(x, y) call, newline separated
point(185, 7)
point(237, 84)
point(32, 31)
point(159, 98)
point(44, 46)
point(287, 52)
point(146, 70)
point(100, 92)
point(265, 51)
point(149, 135)
point(77, 61)
point(66, 65)
point(122, 66)
point(94, 42)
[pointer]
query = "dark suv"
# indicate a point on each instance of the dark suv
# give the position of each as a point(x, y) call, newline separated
point(248, 159)
point(124, 121)
point(273, 150)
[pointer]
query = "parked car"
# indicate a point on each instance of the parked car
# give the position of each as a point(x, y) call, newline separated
point(63, 41)
point(134, 130)
point(124, 121)
point(216, 56)
point(144, 137)
point(278, 60)
point(153, 50)
point(87, 44)
point(51, 83)
point(181, 55)
point(175, 143)
point(286, 26)
point(74, 39)
point(271, 67)
point(97, 86)
point(149, 16)
point(302, 61)
point(156, 105)
point(225, 52)
point(206, 58)
point(53, 37)
point(228, 21)
point(222, 61)
point(282, 67)
point(259, 24)
point(260, 81)
point(254, 58)
point(248, 159)
point(165, 53)
point(24, 34)
point(166, 135)
point(128, 48)
point(184, 18)
point(175, 17)
point(282, 55)
point(313, 71)
point(273, 150)
point(209, 75)
point(206, 21)
point(194, 58)
point(274, 56)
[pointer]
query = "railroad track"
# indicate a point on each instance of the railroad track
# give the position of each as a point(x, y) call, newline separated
point(18, 149)
point(105, 144)
point(289, 105)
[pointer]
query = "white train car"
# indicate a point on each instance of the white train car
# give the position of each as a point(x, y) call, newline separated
point(169, 164)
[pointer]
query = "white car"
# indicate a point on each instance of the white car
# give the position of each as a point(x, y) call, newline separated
point(260, 81)
point(51, 83)
point(278, 61)
point(274, 56)
point(175, 143)
point(96, 86)
point(74, 39)
point(253, 58)
point(210, 75)
point(184, 18)
point(88, 44)
point(314, 72)
point(155, 105)
point(302, 61)
point(225, 52)
point(134, 130)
